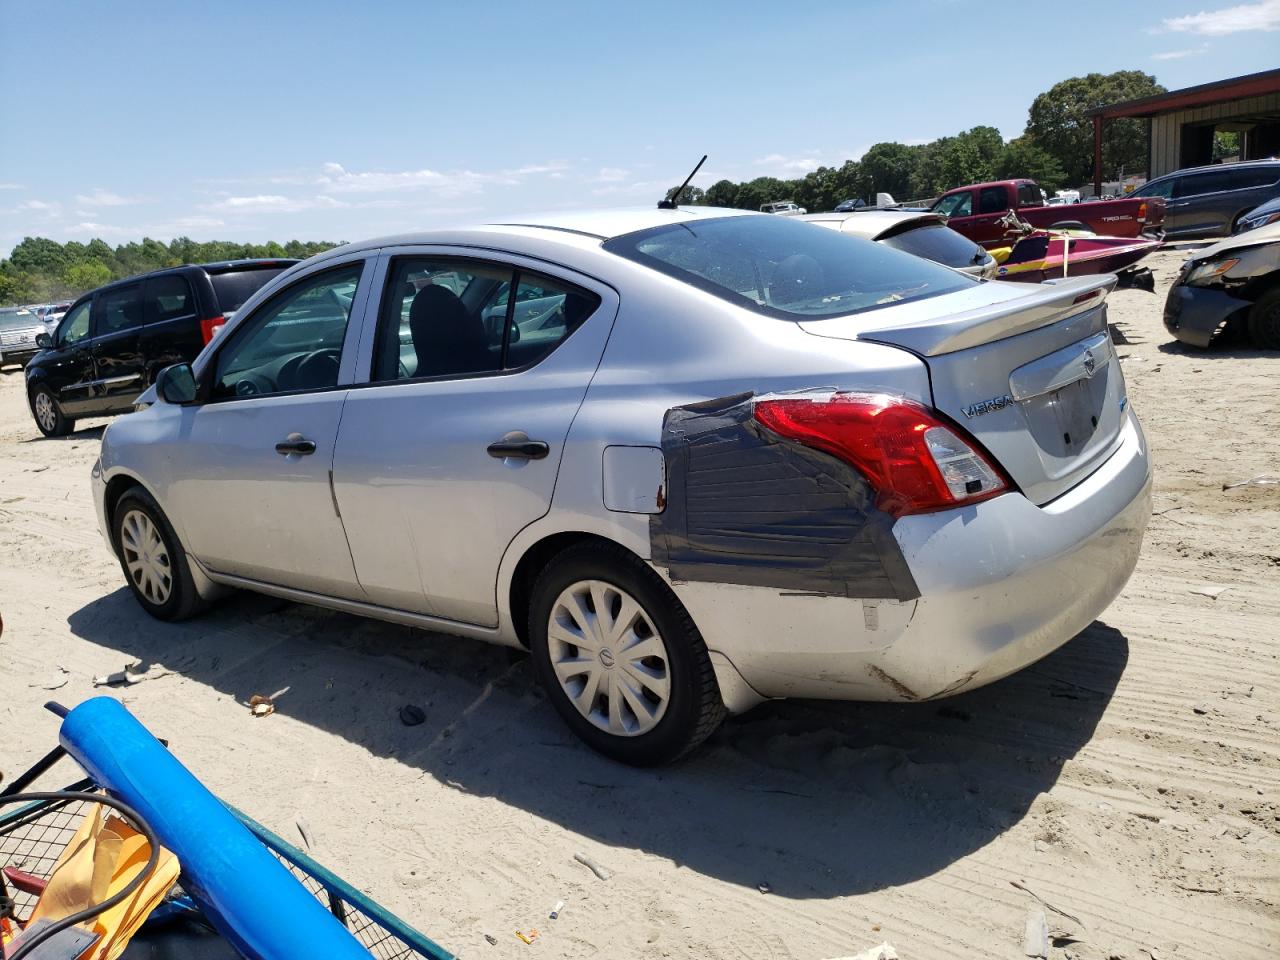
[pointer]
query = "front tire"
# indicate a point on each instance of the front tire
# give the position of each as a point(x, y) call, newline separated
point(1264, 321)
point(620, 657)
point(152, 558)
point(49, 417)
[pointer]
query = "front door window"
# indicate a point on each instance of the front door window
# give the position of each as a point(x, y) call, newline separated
point(292, 343)
point(75, 325)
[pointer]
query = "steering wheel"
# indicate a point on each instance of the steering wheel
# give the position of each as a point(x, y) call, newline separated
point(318, 369)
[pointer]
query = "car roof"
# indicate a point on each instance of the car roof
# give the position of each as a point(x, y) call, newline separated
point(217, 266)
point(872, 223)
point(593, 225)
point(1238, 165)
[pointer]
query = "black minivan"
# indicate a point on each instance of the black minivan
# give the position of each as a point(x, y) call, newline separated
point(114, 340)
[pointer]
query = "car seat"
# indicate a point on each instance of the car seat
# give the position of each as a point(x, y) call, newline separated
point(447, 338)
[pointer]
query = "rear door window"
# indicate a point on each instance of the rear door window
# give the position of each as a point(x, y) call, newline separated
point(993, 200)
point(1198, 184)
point(168, 298)
point(233, 287)
point(119, 309)
point(443, 317)
point(1030, 195)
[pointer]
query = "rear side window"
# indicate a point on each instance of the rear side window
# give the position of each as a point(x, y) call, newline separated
point(444, 317)
point(1255, 177)
point(168, 298)
point(119, 309)
point(785, 268)
point(939, 244)
point(993, 200)
point(1030, 195)
point(234, 287)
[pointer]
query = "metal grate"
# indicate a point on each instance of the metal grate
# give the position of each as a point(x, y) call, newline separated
point(377, 939)
point(33, 840)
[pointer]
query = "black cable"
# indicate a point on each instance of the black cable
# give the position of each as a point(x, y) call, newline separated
point(131, 887)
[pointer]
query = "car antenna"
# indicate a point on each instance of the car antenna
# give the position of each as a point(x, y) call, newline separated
point(669, 203)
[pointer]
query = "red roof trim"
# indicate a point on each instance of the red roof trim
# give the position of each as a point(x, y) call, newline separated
point(1236, 88)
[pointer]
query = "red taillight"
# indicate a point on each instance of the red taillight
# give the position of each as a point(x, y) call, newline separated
point(211, 327)
point(915, 462)
point(1142, 212)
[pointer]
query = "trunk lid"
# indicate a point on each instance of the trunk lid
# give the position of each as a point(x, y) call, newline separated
point(1029, 371)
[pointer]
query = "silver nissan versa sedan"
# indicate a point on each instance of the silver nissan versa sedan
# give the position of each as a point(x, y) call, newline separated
point(689, 458)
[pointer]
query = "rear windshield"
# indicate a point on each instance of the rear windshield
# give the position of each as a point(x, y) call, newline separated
point(939, 244)
point(785, 268)
point(236, 286)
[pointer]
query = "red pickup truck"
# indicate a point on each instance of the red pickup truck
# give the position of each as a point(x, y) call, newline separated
point(975, 210)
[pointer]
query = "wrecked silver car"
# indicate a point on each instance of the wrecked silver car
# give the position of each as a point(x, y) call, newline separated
point(1235, 282)
point(689, 458)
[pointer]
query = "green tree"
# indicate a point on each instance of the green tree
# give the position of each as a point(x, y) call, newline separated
point(722, 193)
point(1059, 123)
point(1226, 145)
point(86, 275)
point(1023, 159)
point(887, 168)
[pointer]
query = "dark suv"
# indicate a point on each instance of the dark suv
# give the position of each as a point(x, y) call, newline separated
point(113, 341)
point(1210, 201)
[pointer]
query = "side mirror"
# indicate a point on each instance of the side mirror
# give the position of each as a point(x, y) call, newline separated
point(44, 341)
point(177, 384)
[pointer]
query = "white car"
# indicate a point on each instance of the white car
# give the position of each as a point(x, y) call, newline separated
point(689, 458)
point(784, 208)
point(923, 234)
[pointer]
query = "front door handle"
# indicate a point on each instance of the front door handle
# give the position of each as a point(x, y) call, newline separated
point(518, 446)
point(296, 443)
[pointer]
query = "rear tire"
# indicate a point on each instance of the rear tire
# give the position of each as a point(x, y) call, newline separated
point(152, 558)
point(1264, 321)
point(620, 657)
point(49, 417)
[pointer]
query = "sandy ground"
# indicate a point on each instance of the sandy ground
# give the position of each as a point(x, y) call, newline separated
point(1132, 779)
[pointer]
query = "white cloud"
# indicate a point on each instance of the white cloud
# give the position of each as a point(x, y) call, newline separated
point(781, 165)
point(609, 175)
point(336, 178)
point(276, 203)
point(1179, 54)
point(1218, 23)
point(40, 206)
point(10, 186)
point(103, 198)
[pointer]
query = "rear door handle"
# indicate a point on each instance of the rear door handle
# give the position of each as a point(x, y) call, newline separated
point(517, 445)
point(296, 443)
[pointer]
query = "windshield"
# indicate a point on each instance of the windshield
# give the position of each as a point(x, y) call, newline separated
point(235, 287)
point(786, 268)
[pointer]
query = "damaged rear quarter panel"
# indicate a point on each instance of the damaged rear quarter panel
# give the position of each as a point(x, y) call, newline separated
point(747, 507)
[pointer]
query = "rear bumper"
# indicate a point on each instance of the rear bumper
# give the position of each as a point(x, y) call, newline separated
point(17, 355)
point(1002, 584)
point(1195, 314)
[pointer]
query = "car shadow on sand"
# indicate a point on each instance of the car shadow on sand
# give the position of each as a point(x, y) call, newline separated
point(814, 799)
point(1231, 345)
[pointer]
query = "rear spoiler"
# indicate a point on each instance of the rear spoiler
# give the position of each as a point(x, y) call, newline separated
point(1044, 304)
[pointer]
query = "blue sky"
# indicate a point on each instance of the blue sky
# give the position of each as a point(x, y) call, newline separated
point(342, 120)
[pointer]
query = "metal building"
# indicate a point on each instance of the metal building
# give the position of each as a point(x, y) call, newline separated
point(1182, 123)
